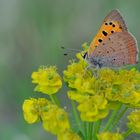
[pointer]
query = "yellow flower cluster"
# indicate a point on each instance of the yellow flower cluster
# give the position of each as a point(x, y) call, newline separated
point(110, 136)
point(95, 91)
point(92, 106)
point(54, 119)
point(108, 85)
point(122, 85)
point(134, 121)
point(47, 79)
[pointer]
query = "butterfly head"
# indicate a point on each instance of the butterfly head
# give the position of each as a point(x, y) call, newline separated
point(85, 56)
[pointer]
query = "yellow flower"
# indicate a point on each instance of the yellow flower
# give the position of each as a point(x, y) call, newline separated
point(107, 75)
point(134, 121)
point(135, 102)
point(77, 96)
point(85, 85)
point(94, 108)
point(47, 79)
point(110, 136)
point(68, 135)
point(73, 72)
point(81, 54)
point(32, 109)
point(55, 119)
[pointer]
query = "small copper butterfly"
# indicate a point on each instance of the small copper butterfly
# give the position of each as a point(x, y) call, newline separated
point(114, 45)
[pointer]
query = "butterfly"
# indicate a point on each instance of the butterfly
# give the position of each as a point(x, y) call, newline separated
point(114, 45)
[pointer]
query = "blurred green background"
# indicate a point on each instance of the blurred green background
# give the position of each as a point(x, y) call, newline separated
point(31, 34)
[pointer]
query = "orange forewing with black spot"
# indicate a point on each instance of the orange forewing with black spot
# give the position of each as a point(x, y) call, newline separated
point(114, 45)
point(111, 24)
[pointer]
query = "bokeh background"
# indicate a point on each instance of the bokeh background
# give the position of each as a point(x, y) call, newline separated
point(31, 34)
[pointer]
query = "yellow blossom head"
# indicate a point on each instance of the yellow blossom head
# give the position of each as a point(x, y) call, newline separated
point(77, 96)
point(33, 108)
point(68, 135)
point(74, 72)
point(134, 121)
point(47, 79)
point(110, 136)
point(121, 85)
point(77, 77)
point(94, 108)
point(55, 119)
point(81, 54)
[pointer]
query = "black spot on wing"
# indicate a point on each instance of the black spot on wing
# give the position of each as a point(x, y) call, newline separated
point(100, 40)
point(120, 27)
point(104, 33)
point(113, 25)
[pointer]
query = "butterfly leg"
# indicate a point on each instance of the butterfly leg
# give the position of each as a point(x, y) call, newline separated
point(86, 70)
point(94, 70)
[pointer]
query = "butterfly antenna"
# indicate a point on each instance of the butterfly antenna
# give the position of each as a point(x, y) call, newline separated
point(70, 50)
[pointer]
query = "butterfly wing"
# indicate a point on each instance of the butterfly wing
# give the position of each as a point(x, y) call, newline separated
point(117, 50)
point(112, 23)
point(115, 16)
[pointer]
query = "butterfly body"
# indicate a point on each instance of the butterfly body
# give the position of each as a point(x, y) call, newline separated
point(113, 46)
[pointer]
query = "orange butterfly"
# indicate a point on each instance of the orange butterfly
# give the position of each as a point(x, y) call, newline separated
point(113, 46)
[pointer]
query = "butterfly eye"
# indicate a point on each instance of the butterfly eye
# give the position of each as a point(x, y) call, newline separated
point(112, 32)
point(106, 23)
point(110, 23)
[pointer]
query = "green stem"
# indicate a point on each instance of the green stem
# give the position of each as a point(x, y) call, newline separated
point(118, 118)
point(89, 130)
point(52, 99)
point(112, 117)
point(85, 130)
point(55, 99)
point(127, 133)
point(97, 125)
point(77, 118)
